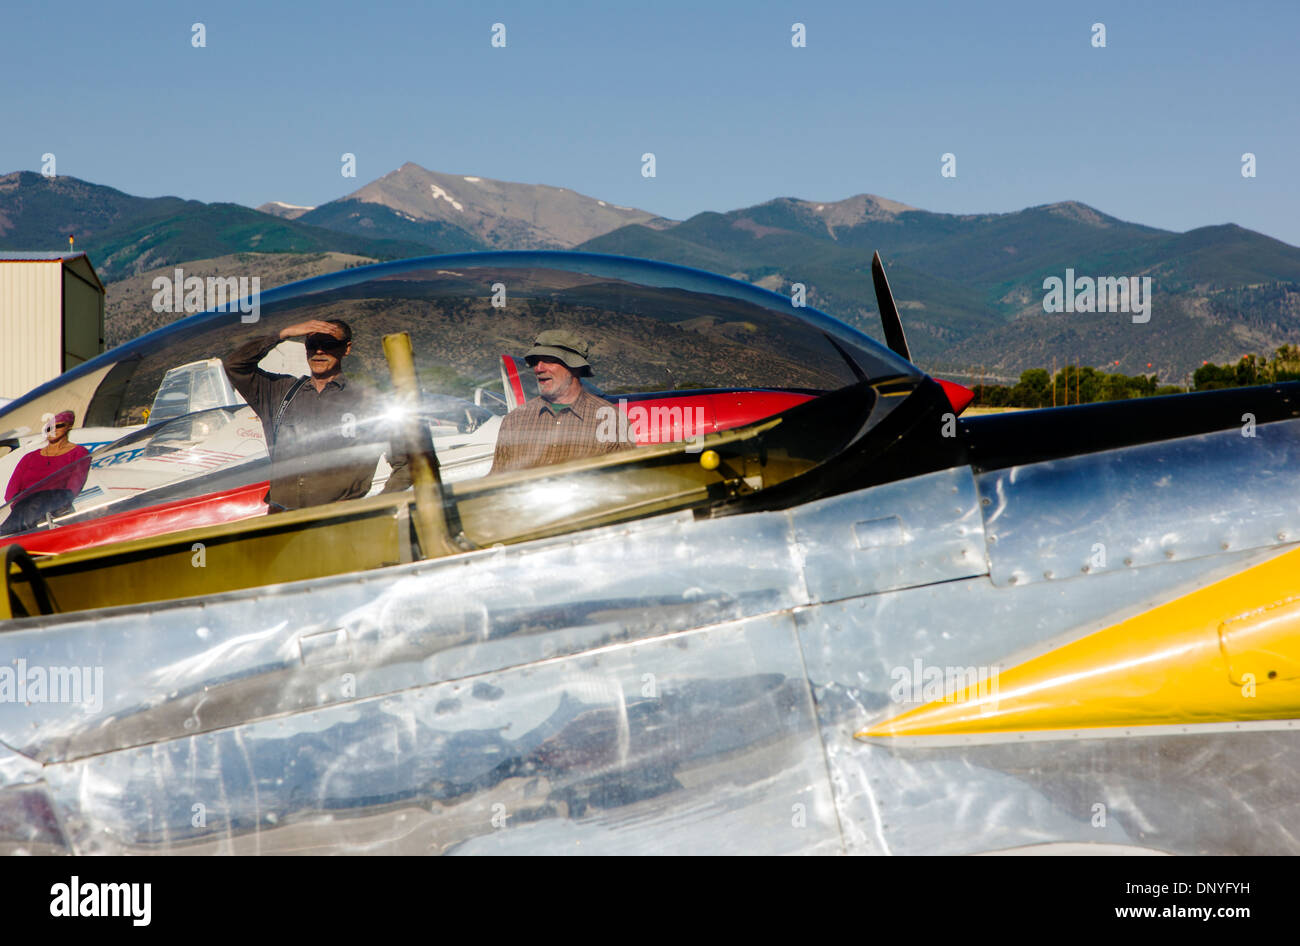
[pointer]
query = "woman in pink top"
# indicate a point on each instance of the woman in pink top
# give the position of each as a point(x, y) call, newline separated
point(46, 480)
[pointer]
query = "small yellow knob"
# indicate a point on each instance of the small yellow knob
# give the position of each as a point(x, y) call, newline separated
point(709, 459)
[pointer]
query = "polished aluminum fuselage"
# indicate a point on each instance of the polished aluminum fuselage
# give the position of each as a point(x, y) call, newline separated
point(676, 685)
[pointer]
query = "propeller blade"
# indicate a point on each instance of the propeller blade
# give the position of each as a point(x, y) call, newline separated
point(893, 325)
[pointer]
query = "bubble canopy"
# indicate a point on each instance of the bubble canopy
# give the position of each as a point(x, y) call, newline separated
point(695, 353)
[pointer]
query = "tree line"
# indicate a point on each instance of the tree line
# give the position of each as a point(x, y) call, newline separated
point(1083, 384)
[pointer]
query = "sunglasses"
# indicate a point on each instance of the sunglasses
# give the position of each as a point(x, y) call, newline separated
point(326, 343)
point(61, 426)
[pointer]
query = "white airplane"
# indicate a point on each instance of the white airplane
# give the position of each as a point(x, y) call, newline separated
point(199, 428)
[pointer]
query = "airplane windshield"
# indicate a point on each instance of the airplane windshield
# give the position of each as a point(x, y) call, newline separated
point(523, 362)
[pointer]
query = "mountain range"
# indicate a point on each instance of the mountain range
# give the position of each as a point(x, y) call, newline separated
point(460, 212)
point(969, 287)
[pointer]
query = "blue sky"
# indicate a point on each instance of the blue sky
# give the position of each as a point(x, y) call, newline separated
point(1150, 128)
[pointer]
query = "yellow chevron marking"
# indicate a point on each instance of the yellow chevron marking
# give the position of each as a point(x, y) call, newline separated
point(1228, 652)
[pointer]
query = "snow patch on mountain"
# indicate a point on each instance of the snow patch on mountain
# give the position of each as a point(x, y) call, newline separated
point(440, 194)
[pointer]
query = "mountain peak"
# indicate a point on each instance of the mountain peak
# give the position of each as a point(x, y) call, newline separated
point(278, 208)
point(1080, 212)
point(863, 207)
point(503, 214)
point(849, 212)
point(61, 184)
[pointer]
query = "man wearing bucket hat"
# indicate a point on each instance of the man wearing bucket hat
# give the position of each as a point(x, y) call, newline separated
point(564, 422)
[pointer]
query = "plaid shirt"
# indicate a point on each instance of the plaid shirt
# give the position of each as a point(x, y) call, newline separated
point(531, 435)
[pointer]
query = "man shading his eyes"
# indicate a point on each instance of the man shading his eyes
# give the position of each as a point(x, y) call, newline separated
point(324, 432)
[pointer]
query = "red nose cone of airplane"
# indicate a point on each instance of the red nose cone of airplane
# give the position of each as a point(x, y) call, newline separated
point(958, 396)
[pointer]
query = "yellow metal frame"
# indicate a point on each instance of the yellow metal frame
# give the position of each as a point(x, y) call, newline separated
point(374, 532)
